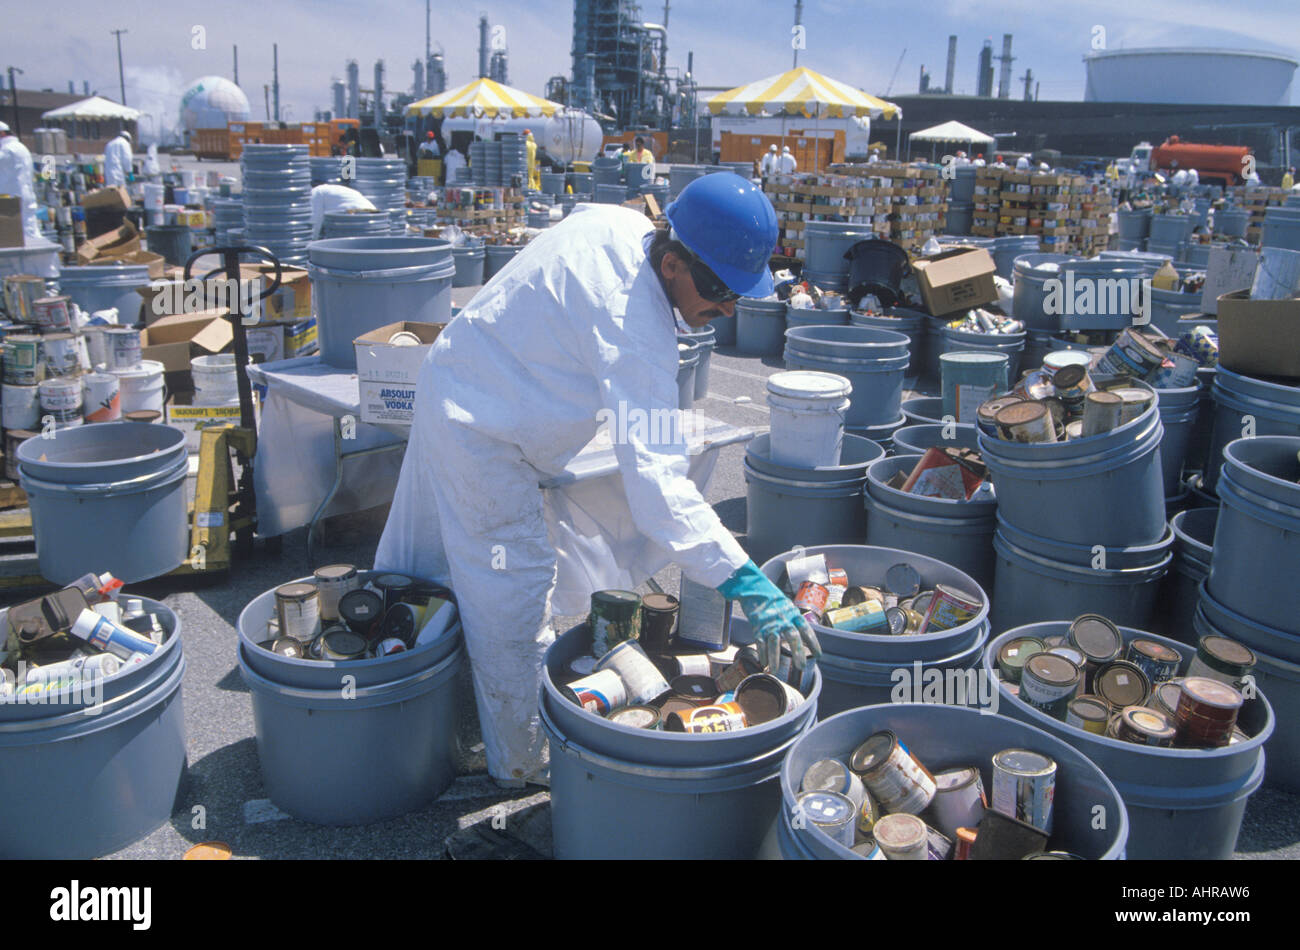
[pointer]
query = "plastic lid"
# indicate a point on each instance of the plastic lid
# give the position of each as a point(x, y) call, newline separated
point(806, 384)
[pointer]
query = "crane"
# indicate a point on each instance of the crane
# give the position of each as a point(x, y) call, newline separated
point(896, 68)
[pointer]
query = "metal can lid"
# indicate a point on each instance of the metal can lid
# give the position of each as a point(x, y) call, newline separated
point(615, 598)
point(1154, 651)
point(900, 832)
point(921, 602)
point(287, 646)
point(827, 808)
point(1068, 377)
point(332, 573)
point(1020, 413)
point(1024, 762)
point(295, 591)
point(825, 775)
point(951, 780)
point(903, 580)
point(1232, 656)
point(392, 581)
point(1089, 709)
point(874, 752)
point(660, 603)
point(896, 617)
point(1097, 637)
point(990, 408)
point(958, 596)
point(1121, 684)
point(342, 644)
point(1018, 651)
point(360, 606)
point(638, 717)
point(698, 688)
point(1073, 654)
point(1210, 692)
point(1147, 722)
point(762, 697)
point(1052, 669)
point(675, 704)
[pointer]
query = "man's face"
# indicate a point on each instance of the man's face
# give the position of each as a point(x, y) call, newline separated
point(695, 310)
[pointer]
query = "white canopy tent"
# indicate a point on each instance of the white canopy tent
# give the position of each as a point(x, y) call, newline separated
point(92, 122)
point(950, 132)
point(96, 107)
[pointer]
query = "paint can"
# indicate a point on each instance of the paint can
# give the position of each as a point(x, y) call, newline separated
point(702, 720)
point(1159, 662)
point(61, 398)
point(52, 313)
point(1014, 654)
point(96, 345)
point(832, 775)
point(658, 622)
point(61, 354)
point(340, 644)
point(892, 774)
point(1135, 402)
point(690, 664)
point(615, 617)
point(863, 595)
point(1207, 712)
point(830, 812)
point(101, 397)
point(744, 666)
point(637, 717)
point(1177, 372)
point(1098, 639)
point(1102, 411)
point(811, 599)
point(393, 588)
point(21, 406)
point(1071, 385)
point(599, 693)
point(1075, 656)
point(903, 837)
point(641, 678)
point(24, 359)
point(122, 347)
point(401, 622)
point(764, 698)
point(986, 415)
point(1219, 658)
point(297, 607)
point(1024, 784)
point(1025, 422)
point(1132, 354)
point(959, 800)
point(949, 608)
point(1143, 726)
point(1088, 713)
point(332, 582)
point(866, 617)
point(361, 610)
point(21, 293)
point(13, 439)
point(696, 690)
point(1121, 683)
point(903, 580)
point(1164, 697)
point(1048, 682)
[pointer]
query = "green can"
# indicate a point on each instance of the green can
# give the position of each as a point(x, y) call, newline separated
point(615, 617)
point(1014, 654)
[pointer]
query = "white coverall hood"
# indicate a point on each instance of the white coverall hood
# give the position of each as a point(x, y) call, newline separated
point(16, 179)
point(575, 330)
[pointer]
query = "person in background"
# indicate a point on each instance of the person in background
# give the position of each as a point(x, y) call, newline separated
point(152, 169)
point(429, 147)
point(534, 173)
point(455, 159)
point(874, 157)
point(117, 159)
point(1288, 179)
point(639, 153)
point(979, 161)
point(769, 163)
point(1022, 163)
point(16, 178)
point(787, 164)
point(998, 162)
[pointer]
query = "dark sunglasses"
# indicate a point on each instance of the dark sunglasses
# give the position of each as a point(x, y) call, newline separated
point(708, 285)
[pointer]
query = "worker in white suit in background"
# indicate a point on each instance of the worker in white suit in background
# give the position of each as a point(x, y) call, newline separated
point(117, 159)
point(16, 178)
point(768, 165)
point(786, 164)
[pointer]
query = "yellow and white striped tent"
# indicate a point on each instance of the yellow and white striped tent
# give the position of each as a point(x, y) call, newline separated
point(801, 92)
point(484, 98)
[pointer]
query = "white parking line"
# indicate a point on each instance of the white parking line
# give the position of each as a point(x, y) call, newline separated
point(502, 810)
point(738, 372)
point(261, 810)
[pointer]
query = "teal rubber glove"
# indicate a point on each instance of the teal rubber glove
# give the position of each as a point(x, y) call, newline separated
point(772, 617)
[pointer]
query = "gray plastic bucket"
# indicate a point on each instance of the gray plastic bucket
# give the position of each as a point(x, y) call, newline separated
point(363, 283)
point(1173, 251)
point(882, 435)
point(1193, 543)
point(864, 564)
point(1231, 222)
point(688, 362)
point(873, 361)
point(1040, 578)
point(724, 330)
point(106, 285)
point(1196, 256)
point(354, 224)
point(352, 757)
point(109, 496)
point(1006, 249)
point(1038, 343)
point(960, 341)
point(1212, 617)
point(620, 792)
point(1182, 803)
point(1170, 228)
point(915, 439)
point(959, 533)
point(760, 326)
point(849, 684)
point(1150, 263)
point(1280, 681)
point(497, 257)
point(1167, 306)
point(1257, 542)
point(826, 242)
point(553, 183)
point(1178, 413)
point(959, 217)
point(1133, 225)
point(610, 194)
point(910, 323)
point(704, 339)
point(172, 241)
point(805, 317)
point(1032, 271)
point(77, 785)
point(1281, 228)
point(944, 737)
point(923, 410)
point(1105, 489)
point(787, 506)
point(470, 263)
point(1273, 408)
point(826, 280)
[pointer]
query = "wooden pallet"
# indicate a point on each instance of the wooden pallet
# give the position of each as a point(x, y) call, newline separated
point(11, 496)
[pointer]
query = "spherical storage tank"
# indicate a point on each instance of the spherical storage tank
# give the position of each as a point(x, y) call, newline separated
point(1190, 76)
point(211, 102)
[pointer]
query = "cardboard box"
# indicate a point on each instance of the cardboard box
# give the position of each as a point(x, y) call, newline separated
point(282, 341)
point(387, 373)
point(112, 199)
point(110, 246)
point(183, 414)
point(291, 302)
point(175, 340)
point(11, 222)
point(956, 280)
point(1259, 337)
point(1230, 269)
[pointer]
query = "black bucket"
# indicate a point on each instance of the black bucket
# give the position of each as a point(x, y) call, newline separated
point(876, 267)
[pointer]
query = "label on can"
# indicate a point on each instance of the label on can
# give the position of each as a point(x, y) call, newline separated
point(898, 781)
point(123, 347)
point(728, 717)
point(866, 617)
point(1024, 786)
point(598, 693)
point(812, 597)
point(949, 608)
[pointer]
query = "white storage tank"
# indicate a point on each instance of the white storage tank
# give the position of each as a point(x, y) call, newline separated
point(1190, 76)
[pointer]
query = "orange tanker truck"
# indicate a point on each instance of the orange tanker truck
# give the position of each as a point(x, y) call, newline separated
point(1215, 164)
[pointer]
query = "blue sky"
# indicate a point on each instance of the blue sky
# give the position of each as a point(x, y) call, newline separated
point(734, 41)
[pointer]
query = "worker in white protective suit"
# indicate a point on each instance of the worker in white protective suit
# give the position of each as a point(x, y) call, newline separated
point(117, 159)
point(1022, 163)
point(768, 165)
point(325, 198)
point(16, 178)
point(787, 165)
point(453, 161)
point(577, 329)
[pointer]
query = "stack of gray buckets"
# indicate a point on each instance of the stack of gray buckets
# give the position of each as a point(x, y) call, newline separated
point(1246, 406)
point(858, 669)
point(514, 160)
point(679, 176)
point(910, 323)
point(873, 361)
point(1168, 232)
point(277, 199)
point(1251, 594)
point(227, 216)
point(1102, 500)
point(485, 163)
point(104, 286)
point(355, 224)
point(825, 244)
point(1231, 221)
point(384, 747)
point(1182, 803)
point(1134, 228)
point(326, 170)
point(383, 181)
point(700, 345)
point(584, 184)
point(961, 200)
point(1281, 228)
point(620, 792)
point(471, 261)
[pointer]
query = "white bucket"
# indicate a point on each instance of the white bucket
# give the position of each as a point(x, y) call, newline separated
point(122, 346)
point(21, 407)
point(808, 410)
point(101, 397)
point(1278, 276)
point(215, 383)
point(141, 387)
point(61, 398)
point(154, 196)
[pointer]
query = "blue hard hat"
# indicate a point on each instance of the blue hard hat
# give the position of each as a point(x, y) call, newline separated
point(731, 226)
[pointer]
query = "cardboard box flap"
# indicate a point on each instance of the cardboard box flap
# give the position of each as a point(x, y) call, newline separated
point(956, 280)
point(113, 198)
point(1259, 337)
point(175, 340)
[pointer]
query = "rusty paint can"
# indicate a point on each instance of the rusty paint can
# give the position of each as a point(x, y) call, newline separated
point(702, 720)
point(21, 291)
point(1159, 662)
point(1026, 422)
point(746, 664)
point(1102, 411)
point(949, 608)
point(903, 837)
point(986, 414)
point(892, 774)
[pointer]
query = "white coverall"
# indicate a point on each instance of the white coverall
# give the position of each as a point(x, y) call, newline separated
point(16, 179)
point(335, 198)
point(767, 165)
point(453, 161)
point(786, 164)
point(578, 323)
point(117, 161)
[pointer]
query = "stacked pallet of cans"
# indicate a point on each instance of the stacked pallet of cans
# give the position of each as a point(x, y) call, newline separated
point(1257, 199)
point(1066, 212)
point(481, 210)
